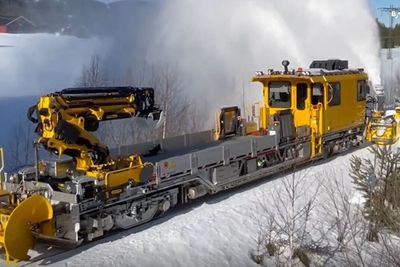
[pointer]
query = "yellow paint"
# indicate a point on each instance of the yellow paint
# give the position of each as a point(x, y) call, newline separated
point(120, 172)
point(55, 109)
point(120, 177)
point(264, 118)
point(383, 131)
point(250, 127)
point(322, 118)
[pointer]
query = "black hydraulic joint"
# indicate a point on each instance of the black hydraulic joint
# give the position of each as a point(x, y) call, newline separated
point(30, 112)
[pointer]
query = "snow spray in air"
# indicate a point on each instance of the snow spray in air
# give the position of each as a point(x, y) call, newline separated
point(217, 45)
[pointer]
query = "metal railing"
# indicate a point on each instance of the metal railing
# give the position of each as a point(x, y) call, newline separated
point(1, 167)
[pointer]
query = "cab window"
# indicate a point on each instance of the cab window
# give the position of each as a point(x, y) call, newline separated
point(317, 94)
point(279, 94)
point(362, 90)
point(334, 94)
point(301, 93)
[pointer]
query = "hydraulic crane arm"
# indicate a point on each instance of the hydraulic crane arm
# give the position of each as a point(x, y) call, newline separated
point(66, 119)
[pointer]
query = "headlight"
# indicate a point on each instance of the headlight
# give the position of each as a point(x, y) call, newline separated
point(380, 131)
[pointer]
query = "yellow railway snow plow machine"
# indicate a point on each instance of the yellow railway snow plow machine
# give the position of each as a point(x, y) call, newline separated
point(83, 189)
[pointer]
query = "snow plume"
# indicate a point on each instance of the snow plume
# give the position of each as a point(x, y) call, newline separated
point(219, 44)
point(33, 64)
point(215, 46)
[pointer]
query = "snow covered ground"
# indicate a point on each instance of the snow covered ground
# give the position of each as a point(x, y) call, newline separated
point(215, 231)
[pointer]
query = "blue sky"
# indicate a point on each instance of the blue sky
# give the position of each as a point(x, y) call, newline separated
point(374, 4)
point(383, 16)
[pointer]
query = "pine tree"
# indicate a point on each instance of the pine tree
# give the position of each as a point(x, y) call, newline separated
point(379, 181)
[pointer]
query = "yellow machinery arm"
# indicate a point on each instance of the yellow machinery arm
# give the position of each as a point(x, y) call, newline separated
point(66, 118)
point(65, 121)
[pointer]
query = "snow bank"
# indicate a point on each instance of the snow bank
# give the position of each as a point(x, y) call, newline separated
point(33, 64)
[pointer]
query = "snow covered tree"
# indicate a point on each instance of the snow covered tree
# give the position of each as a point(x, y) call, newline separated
point(181, 114)
point(93, 74)
point(379, 181)
point(285, 225)
point(21, 145)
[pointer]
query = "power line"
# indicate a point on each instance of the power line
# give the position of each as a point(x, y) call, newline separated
point(394, 13)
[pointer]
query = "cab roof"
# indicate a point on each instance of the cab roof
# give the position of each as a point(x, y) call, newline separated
point(312, 75)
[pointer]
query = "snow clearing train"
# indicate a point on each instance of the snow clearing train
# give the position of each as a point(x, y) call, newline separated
point(89, 189)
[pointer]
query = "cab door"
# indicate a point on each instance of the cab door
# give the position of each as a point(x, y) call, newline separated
point(302, 105)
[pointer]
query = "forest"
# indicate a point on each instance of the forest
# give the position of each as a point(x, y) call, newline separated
point(390, 37)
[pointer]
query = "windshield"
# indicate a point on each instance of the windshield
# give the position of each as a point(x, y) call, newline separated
point(279, 94)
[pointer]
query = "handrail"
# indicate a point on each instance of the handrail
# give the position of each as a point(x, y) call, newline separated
point(1, 167)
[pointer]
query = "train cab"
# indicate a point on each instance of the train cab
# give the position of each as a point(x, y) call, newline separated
point(325, 103)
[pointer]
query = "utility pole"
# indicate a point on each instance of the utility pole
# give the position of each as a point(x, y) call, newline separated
point(394, 13)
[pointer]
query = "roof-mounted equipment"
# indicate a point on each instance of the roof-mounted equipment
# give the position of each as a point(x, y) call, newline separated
point(330, 64)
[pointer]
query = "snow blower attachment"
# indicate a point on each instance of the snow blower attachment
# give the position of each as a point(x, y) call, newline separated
point(384, 129)
point(19, 219)
point(19, 224)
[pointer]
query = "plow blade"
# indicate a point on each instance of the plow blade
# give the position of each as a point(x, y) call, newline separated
point(33, 214)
